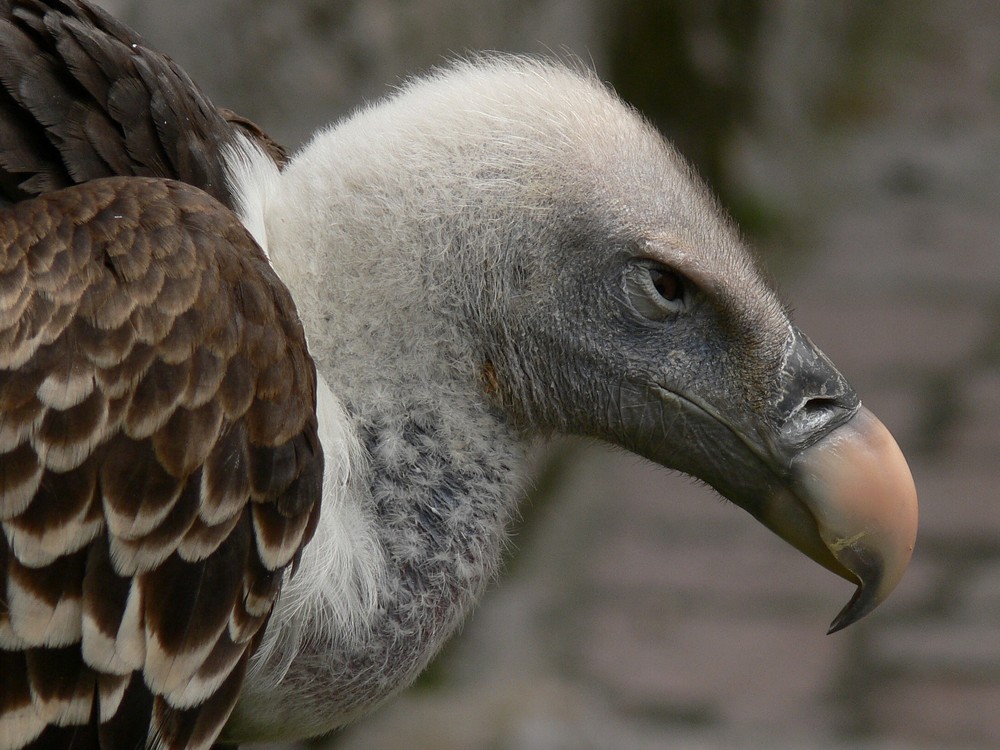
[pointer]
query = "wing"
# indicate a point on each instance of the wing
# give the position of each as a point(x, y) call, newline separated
point(82, 97)
point(159, 462)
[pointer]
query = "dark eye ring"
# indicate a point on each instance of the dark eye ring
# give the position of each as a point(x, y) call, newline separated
point(667, 283)
point(655, 291)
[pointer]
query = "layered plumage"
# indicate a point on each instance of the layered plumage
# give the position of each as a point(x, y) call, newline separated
point(500, 251)
point(159, 460)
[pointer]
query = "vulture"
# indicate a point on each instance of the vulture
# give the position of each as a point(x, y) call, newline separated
point(263, 418)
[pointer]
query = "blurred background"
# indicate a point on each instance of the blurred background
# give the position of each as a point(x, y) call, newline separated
point(858, 145)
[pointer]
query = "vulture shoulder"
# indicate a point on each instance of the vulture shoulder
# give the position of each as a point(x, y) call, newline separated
point(155, 484)
point(83, 97)
point(160, 466)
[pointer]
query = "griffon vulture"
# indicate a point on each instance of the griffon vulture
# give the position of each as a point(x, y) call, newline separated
point(262, 419)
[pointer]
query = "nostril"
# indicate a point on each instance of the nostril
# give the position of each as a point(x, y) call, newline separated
point(815, 417)
point(821, 405)
point(812, 398)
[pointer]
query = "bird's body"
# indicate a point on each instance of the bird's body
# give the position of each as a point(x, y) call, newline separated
point(263, 422)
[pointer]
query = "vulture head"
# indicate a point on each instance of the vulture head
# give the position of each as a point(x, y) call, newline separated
point(515, 222)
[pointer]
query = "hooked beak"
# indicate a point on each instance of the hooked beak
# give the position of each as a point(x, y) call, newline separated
point(821, 472)
point(848, 499)
point(850, 505)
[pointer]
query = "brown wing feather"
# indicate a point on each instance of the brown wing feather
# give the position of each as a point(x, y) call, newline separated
point(159, 462)
point(83, 97)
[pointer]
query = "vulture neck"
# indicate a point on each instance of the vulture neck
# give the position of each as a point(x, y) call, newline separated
point(413, 523)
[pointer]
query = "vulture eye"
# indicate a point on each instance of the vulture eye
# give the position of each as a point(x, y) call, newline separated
point(655, 291)
point(667, 284)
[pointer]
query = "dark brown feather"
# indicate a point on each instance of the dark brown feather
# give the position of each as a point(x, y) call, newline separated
point(128, 726)
point(105, 593)
point(153, 379)
point(62, 685)
point(188, 604)
point(83, 97)
point(62, 498)
point(160, 465)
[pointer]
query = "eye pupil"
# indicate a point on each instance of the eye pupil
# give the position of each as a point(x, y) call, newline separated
point(667, 284)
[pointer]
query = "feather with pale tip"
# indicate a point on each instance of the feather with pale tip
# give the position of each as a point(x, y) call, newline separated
point(154, 485)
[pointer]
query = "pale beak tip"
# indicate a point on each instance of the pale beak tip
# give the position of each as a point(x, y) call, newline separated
point(865, 504)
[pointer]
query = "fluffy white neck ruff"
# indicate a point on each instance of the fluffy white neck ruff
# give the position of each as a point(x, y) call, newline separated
point(400, 233)
point(334, 591)
point(340, 569)
point(358, 252)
